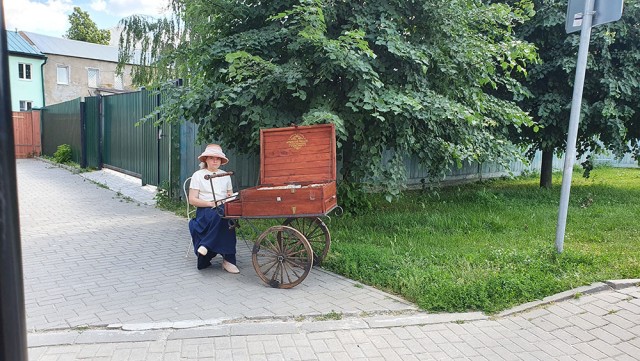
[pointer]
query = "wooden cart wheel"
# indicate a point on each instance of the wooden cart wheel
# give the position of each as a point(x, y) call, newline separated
point(316, 233)
point(282, 257)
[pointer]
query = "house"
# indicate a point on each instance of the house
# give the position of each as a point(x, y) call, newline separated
point(78, 69)
point(25, 73)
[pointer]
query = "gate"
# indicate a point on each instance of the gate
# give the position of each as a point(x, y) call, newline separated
point(26, 134)
point(132, 146)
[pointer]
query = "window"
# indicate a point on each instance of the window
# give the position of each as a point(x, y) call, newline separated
point(118, 83)
point(24, 71)
point(93, 77)
point(25, 105)
point(63, 74)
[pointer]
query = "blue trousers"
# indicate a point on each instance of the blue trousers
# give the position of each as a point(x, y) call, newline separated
point(210, 230)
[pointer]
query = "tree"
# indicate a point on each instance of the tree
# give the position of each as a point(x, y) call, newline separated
point(413, 77)
point(84, 29)
point(610, 118)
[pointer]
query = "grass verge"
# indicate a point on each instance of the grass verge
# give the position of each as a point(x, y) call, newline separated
point(489, 246)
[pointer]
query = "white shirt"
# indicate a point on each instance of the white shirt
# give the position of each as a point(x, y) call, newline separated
point(222, 185)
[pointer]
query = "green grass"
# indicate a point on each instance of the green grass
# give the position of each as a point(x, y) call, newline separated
point(489, 246)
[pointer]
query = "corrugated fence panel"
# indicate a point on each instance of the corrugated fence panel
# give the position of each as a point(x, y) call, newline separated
point(124, 148)
point(92, 124)
point(162, 137)
point(61, 125)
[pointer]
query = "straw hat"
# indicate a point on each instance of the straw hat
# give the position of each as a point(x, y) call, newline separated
point(213, 150)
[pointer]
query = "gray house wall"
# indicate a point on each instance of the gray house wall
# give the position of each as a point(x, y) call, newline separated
point(78, 78)
point(79, 57)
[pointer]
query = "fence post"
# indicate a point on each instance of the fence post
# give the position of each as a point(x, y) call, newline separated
point(100, 130)
point(83, 135)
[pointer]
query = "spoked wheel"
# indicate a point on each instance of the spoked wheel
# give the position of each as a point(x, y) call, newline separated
point(316, 233)
point(282, 257)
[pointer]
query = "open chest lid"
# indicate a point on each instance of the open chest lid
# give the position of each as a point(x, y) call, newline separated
point(298, 155)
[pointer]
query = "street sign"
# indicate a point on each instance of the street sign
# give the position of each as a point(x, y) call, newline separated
point(581, 15)
point(606, 11)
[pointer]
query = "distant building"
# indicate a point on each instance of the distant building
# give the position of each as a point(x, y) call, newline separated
point(25, 73)
point(78, 69)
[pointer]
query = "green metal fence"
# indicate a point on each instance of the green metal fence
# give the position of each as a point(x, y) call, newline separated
point(61, 124)
point(92, 131)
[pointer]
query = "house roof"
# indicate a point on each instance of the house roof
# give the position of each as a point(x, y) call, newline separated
point(74, 48)
point(17, 45)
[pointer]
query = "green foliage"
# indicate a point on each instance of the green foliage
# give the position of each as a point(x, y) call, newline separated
point(490, 246)
point(610, 117)
point(353, 198)
point(63, 154)
point(84, 29)
point(413, 77)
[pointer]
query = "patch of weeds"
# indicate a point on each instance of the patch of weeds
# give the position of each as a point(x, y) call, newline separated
point(124, 198)
point(81, 328)
point(611, 312)
point(299, 318)
point(101, 185)
point(577, 295)
point(459, 322)
point(165, 202)
point(329, 316)
point(587, 201)
point(358, 285)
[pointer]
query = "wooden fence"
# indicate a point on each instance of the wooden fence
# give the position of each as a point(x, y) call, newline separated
point(26, 134)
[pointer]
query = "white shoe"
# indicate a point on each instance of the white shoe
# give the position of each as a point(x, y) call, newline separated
point(230, 267)
point(203, 250)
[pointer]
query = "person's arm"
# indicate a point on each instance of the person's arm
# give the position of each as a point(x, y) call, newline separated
point(197, 202)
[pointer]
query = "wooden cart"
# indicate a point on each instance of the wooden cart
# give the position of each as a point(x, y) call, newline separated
point(297, 184)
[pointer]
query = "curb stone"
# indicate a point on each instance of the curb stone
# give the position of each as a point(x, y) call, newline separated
point(620, 284)
point(563, 296)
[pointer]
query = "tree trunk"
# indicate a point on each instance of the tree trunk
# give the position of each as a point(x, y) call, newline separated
point(546, 168)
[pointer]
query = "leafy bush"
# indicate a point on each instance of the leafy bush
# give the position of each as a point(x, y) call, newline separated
point(63, 154)
point(353, 198)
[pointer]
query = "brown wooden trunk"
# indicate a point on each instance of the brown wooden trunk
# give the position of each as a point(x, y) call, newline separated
point(302, 201)
point(297, 174)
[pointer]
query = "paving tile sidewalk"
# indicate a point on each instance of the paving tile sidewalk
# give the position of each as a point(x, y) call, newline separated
point(106, 278)
point(601, 326)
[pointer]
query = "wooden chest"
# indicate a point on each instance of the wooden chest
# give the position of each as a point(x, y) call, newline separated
point(297, 174)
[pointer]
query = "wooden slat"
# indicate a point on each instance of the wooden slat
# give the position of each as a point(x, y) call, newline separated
point(26, 133)
point(298, 154)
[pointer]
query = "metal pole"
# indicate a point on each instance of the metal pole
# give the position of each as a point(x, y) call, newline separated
point(576, 104)
point(13, 334)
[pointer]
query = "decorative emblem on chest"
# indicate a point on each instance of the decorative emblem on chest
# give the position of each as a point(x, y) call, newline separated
point(297, 141)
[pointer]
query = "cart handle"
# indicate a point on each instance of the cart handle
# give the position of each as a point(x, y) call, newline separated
point(209, 176)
